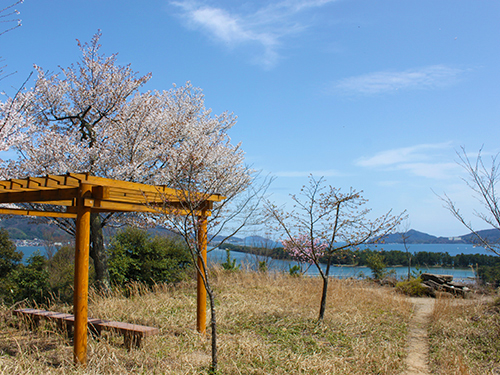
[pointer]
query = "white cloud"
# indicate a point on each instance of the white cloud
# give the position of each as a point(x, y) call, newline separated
point(421, 160)
point(390, 81)
point(221, 24)
point(266, 26)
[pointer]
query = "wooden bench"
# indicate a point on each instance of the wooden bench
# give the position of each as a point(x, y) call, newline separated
point(132, 333)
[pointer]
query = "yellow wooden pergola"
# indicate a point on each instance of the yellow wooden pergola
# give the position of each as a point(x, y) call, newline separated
point(82, 194)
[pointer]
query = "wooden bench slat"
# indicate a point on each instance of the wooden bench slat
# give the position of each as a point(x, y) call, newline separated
point(136, 328)
point(132, 332)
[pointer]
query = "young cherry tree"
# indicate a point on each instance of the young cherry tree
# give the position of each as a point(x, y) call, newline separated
point(482, 179)
point(206, 163)
point(200, 177)
point(92, 118)
point(325, 221)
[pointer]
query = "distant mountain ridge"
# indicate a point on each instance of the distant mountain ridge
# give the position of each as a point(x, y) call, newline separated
point(24, 228)
point(416, 237)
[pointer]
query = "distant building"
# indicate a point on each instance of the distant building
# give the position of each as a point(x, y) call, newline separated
point(455, 238)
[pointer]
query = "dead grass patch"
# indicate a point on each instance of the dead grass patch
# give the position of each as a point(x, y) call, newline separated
point(267, 324)
point(464, 337)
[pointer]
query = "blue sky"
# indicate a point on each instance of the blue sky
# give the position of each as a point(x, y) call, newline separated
point(377, 95)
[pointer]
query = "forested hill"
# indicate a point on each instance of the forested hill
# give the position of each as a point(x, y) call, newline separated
point(25, 228)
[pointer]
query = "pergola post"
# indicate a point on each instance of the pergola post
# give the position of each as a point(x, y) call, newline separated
point(81, 285)
point(201, 312)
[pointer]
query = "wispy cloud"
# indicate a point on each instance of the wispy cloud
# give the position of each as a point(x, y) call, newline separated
point(434, 170)
point(323, 173)
point(429, 77)
point(402, 155)
point(422, 160)
point(265, 27)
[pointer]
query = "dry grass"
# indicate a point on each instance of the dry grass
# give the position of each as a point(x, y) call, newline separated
point(465, 337)
point(267, 325)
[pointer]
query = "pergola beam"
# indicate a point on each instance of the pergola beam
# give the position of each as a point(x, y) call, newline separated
point(18, 211)
point(38, 196)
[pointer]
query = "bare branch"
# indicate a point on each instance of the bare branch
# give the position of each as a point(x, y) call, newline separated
point(482, 181)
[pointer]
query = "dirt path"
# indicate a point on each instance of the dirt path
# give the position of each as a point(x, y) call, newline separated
point(418, 344)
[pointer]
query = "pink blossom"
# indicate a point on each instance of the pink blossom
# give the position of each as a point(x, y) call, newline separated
point(303, 249)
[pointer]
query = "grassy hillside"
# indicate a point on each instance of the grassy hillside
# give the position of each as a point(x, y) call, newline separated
point(267, 325)
point(464, 337)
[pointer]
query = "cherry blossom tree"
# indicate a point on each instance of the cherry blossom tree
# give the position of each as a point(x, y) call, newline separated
point(63, 125)
point(13, 125)
point(92, 118)
point(325, 221)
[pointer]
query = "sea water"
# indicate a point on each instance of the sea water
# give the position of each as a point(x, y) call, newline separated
point(250, 261)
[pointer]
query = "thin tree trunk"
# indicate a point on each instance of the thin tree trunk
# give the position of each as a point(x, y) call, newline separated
point(325, 290)
point(409, 267)
point(213, 325)
point(98, 253)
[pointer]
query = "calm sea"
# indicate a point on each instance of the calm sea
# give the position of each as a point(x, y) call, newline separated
point(434, 248)
point(30, 250)
point(251, 261)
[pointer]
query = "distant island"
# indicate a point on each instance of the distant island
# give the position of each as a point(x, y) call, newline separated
point(415, 237)
point(412, 237)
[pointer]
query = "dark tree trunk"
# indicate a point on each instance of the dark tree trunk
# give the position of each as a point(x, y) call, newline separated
point(409, 267)
point(325, 290)
point(98, 253)
point(213, 325)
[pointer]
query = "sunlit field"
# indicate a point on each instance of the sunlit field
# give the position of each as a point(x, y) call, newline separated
point(266, 323)
point(464, 336)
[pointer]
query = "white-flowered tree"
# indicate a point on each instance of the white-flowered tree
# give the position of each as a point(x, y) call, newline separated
point(325, 221)
point(91, 117)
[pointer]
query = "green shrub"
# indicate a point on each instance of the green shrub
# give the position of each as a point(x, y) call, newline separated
point(134, 255)
point(230, 265)
point(10, 257)
point(490, 275)
point(295, 271)
point(31, 282)
point(375, 262)
point(262, 266)
point(412, 288)
point(61, 269)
